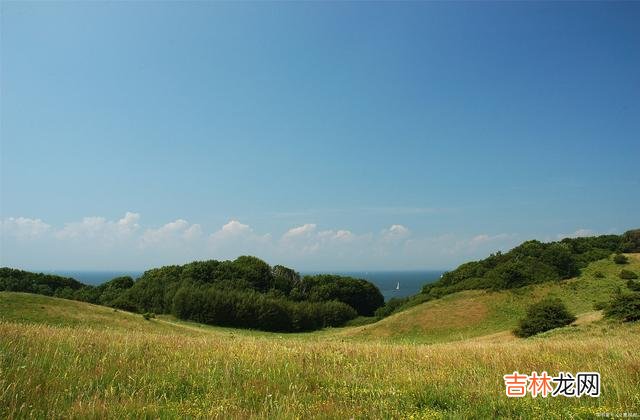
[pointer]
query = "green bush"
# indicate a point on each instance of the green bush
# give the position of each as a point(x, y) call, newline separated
point(598, 275)
point(633, 285)
point(625, 307)
point(148, 315)
point(598, 306)
point(627, 275)
point(543, 316)
point(620, 259)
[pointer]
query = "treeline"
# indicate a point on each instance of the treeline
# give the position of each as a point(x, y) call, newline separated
point(13, 280)
point(246, 292)
point(532, 262)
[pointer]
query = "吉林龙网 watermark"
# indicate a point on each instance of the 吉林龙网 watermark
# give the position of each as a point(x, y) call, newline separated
point(565, 384)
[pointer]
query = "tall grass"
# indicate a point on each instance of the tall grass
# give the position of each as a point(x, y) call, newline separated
point(64, 359)
point(52, 371)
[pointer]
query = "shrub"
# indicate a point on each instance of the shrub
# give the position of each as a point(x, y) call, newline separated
point(627, 275)
point(625, 307)
point(543, 316)
point(598, 306)
point(598, 275)
point(148, 315)
point(620, 259)
point(633, 285)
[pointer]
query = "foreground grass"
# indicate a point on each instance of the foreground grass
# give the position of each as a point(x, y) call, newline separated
point(65, 359)
point(50, 371)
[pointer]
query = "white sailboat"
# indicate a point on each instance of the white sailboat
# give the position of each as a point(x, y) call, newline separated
point(398, 286)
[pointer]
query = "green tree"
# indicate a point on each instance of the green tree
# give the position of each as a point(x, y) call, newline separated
point(543, 316)
point(624, 306)
point(620, 259)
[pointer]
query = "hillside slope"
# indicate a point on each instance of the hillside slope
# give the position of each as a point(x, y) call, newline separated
point(61, 358)
point(72, 370)
point(477, 313)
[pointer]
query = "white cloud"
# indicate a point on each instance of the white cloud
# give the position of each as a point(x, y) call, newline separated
point(235, 238)
point(304, 230)
point(23, 227)
point(171, 232)
point(344, 235)
point(306, 240)
point(396, 232)
point(99, 227)
point(98, 243)
point(234, 228)
point(192, 232)
point(129, 222)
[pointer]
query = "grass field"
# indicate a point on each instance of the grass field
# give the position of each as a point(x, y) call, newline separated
point(60, 358)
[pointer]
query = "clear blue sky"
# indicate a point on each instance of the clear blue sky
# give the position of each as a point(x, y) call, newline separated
point(321, 135)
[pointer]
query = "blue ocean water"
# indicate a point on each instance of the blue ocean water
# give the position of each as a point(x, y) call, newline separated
point(409, 282)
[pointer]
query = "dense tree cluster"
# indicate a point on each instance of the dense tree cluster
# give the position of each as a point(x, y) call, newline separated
point(246, 292)
point(13, 280)
point(532, 262)
point(624, 307)
point(250, 309)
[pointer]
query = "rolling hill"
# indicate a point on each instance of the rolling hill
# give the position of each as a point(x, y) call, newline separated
point(61, 358)
point(475, 313)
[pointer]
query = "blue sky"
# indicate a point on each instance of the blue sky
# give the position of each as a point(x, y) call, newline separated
point(319, 135)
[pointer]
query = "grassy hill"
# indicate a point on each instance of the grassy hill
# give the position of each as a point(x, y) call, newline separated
point(61, 358)
point(476, 313)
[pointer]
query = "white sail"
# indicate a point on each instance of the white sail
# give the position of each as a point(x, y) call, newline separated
point(398, 286)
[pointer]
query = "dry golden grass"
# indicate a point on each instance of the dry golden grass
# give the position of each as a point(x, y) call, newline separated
point(51, 371)
point(63, 359)
point(475, 313)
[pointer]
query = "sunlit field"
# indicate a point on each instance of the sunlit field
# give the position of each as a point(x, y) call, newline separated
point(68, 359)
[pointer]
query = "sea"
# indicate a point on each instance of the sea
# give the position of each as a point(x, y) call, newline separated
point(391, 283)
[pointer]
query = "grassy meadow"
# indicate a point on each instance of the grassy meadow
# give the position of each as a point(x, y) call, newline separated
point(441, 359)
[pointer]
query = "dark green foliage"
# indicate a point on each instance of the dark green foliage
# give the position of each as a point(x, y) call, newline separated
point(633, 285)
point(250, 309)
point(598, 275)
point(598, 306)
point(559, 256)
point(114, 293)
point(360, 294)
point(245, 292)
point(627, 275)
point(285, 279)
point(153, 292)
point(531, 262)
point(12, 280)
point(630, 241)
point(620, 259)
point(624, 306)
point(543, 316)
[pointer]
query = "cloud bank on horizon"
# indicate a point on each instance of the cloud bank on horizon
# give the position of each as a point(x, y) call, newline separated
point(97, 243)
